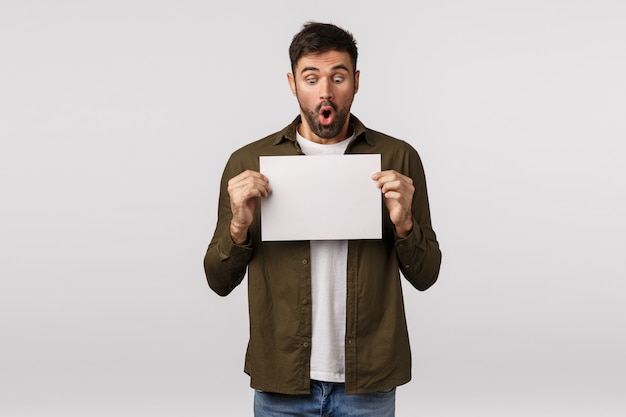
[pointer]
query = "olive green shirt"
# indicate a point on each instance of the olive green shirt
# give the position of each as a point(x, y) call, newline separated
point(377, 353)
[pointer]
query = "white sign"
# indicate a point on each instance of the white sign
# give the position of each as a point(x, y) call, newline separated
point(321, 197)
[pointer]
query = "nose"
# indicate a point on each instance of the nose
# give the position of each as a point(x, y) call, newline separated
point(326, 92)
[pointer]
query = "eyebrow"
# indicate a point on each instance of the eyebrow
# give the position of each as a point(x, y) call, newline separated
point(335, 68)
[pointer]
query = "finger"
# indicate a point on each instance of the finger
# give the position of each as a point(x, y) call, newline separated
point(247, 176)
point(377, 176)
point(251, 190)
point(392, 195)
point(390, 176)
point(390, 185)
point(386, 173)
point(249, 180)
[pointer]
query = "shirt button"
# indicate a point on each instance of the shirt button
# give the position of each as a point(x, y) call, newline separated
point(305, 344)
point(305, 261)
point(305, 302)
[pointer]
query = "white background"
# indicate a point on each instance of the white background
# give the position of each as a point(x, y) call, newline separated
point(117, 117)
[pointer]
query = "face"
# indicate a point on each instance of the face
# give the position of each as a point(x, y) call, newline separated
point(325, 85)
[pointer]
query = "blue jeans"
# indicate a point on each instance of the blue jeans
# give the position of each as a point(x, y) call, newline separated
point(327, 399)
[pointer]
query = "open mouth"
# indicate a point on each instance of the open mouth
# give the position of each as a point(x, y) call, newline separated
point(326, 113)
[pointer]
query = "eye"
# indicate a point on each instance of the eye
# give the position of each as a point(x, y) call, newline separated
point(310, 80)
point(338, 78)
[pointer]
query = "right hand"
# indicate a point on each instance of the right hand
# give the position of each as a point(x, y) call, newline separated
point(244, 191)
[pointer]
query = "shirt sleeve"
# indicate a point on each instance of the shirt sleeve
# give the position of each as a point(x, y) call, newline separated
point(418, 254)
point(225, 262)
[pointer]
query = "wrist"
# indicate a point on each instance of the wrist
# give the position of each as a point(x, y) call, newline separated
point(238, 234)
point(403, 230)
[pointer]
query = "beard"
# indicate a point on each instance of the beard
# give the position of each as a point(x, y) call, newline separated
point(326, 131)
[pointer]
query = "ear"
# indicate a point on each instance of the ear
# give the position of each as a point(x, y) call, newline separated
point(292, 83)
point(356, 81)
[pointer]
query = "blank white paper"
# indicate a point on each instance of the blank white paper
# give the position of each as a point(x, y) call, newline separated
point(321, 197)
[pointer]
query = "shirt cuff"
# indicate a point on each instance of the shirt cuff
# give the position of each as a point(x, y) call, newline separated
point(229, 249)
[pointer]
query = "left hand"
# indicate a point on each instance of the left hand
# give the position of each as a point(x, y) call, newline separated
point(398, 192)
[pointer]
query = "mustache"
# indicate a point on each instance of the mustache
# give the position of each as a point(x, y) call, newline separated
point(326, 104)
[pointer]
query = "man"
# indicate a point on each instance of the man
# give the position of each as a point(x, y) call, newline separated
point(328, 334)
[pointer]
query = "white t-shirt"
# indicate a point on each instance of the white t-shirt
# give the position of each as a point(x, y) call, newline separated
point(329, 265)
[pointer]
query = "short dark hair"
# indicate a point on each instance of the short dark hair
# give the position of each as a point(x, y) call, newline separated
point(317, 38)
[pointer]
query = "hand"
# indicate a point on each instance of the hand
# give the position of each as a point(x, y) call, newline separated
point(244, 191)
point(398, 192)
